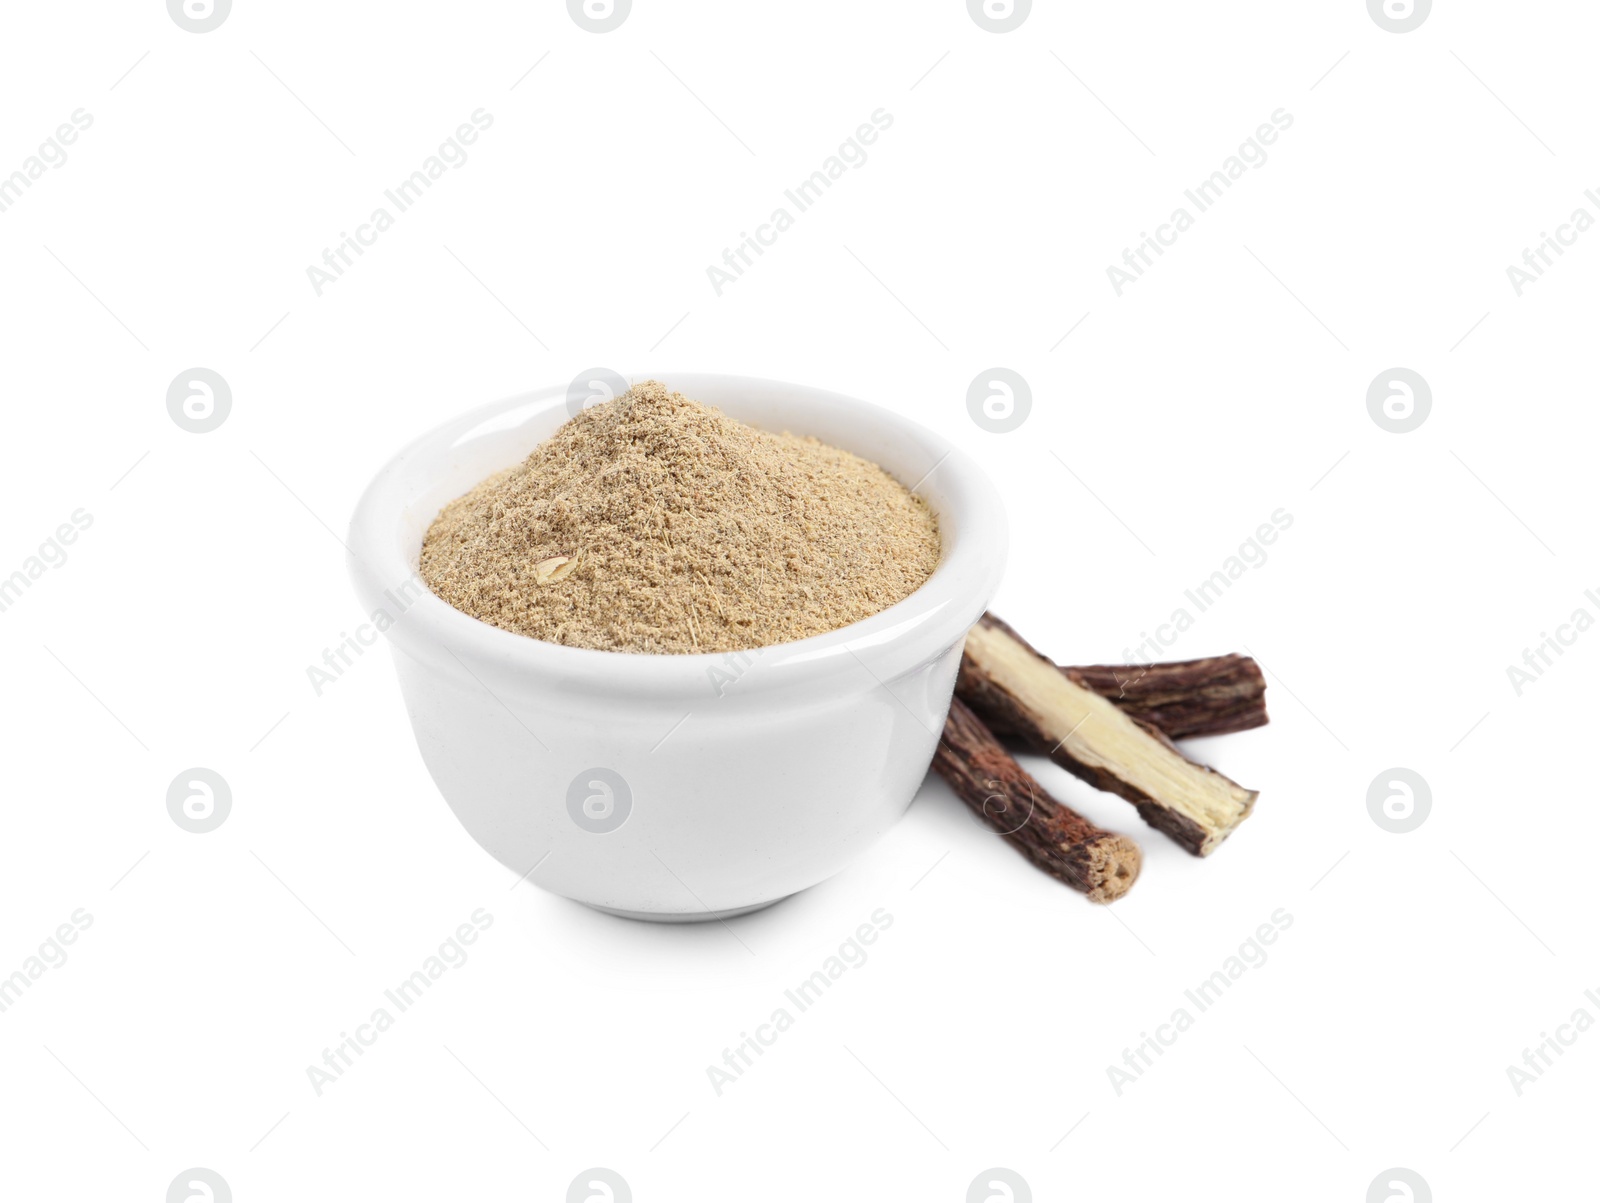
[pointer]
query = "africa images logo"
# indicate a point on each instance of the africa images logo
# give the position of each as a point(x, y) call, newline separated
point(199, 16)
point(599, 800)
point(1399, 16)
point(999, 16)
point(599, 16)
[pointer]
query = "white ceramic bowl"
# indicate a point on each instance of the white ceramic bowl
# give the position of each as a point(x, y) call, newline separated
point(677, 787)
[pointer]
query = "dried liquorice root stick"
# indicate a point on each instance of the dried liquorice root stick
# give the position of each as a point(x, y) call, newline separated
point(1214, 696)
point(1060, 841)
point(1021, 694)
point(1217, 695)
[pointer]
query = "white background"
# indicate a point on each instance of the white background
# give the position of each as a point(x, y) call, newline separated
point(1229, 382)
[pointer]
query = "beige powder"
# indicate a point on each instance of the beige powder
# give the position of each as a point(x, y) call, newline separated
point(655, 524)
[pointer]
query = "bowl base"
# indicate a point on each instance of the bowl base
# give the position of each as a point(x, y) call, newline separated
point(684, 916)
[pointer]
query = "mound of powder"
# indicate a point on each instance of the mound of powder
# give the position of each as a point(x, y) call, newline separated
point(652, 523)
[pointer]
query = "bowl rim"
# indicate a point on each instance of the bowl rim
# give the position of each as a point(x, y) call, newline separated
point(904, 635)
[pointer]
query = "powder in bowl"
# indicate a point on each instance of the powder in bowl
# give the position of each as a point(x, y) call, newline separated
point(652, 523)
